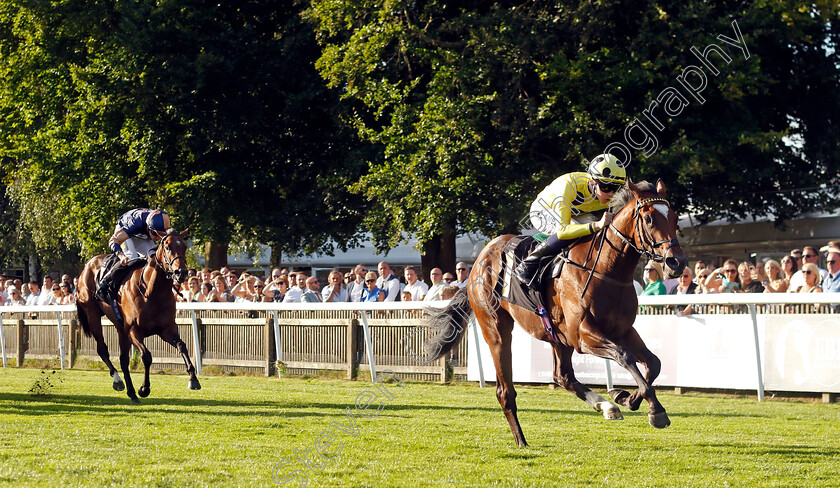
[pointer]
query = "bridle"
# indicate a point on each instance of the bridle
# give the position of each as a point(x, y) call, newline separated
point(649, 244)
point(170, 272)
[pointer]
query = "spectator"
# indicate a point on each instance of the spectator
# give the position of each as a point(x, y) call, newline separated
point(46, 295)
point(685, 286)
point(831, 283)
point(65, 278)
point(417, 288)
point(232, 279)
point(192, 291)
point(789, 267)
point(653, 277)
point(357, 287)
point(748, 285)
point(335, 291)
point(810, 274)
point(24, 291)
point(436, 275)
point(300, 280)
point(250, 289)
point(372, 293)
point(776, 282)
point(34, 293)
point(67, 297)
point(224, 271)
point(449, 279)
point(698, 267)
point(278, 286)
point(207, 293)
point(462, 273)
point(3, 293)
point(796, 254)
point(204, 275)
point(759, 274)
point(701, 278)
point(388, 282)
point(406, 296)
point(15, 298)
point(54, 297)
point(449, 292)
point(222, 290)
point(295, 292)
point(312, 293)
point(809, 255)
point(724, 279)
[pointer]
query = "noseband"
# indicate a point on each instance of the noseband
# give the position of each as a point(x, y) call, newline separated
point(649, 245)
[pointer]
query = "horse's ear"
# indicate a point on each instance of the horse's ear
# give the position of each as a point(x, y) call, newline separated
point(185, 233)
point(632, 186)
point(660, 188)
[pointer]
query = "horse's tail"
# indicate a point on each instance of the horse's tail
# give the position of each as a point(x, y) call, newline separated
point(83, 319)
point(450, 322)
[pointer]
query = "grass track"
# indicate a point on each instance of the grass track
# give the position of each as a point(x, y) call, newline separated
point(236, 429)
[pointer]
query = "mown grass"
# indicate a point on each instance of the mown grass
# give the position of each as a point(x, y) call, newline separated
point(235, 430)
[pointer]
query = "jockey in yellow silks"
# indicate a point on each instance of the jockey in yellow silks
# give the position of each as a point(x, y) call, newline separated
point(564, 209)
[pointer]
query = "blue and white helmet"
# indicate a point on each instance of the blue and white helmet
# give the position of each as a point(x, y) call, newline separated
point(158, 221)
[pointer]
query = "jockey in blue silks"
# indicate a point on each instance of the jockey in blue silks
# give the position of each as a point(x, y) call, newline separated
point(136, 233)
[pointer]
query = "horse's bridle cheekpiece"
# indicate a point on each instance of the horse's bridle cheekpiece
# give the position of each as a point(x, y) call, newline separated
point(647, 240)
point(170, 273)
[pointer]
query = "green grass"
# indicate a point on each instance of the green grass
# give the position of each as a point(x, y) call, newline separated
point(236, 429)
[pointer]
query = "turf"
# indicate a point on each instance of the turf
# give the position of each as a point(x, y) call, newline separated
point(235, 431)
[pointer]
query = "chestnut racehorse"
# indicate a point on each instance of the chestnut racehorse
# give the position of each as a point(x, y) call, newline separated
point(592, 319)
point(147, 305)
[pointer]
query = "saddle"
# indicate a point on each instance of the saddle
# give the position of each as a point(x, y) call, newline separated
point(111, 265)
point(511, 290)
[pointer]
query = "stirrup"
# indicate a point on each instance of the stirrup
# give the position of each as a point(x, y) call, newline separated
point(526, 272)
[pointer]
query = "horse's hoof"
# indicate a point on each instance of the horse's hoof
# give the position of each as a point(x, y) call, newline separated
point(659, 420)
point(610, 411)
point(619, 396)
point(144, 391)
point(119, 386)
point(194, 385)
point(135, 400)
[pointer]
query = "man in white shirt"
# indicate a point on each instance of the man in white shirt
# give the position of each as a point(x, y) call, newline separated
point(46, 297)
point(335, 292)
point(417, 288)
point(295, 291)
point(388, 282)
point(34, 293)
point(809, 255)
point(437, 285)
point(462, 274)
point(358, 286)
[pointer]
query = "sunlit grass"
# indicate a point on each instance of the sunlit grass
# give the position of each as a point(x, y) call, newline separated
point(235, 430)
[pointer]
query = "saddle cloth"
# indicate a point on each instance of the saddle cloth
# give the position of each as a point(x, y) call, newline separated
point(510, 289)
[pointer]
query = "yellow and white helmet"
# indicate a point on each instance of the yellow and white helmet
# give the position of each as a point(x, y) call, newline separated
point(605, 168)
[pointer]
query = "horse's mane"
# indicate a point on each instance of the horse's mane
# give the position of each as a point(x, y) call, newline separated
point(625, 196)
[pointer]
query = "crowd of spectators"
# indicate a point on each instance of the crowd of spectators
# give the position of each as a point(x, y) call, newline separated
point(282, 285)
point(796, 272)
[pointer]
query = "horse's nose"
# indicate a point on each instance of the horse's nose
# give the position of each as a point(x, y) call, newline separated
point(675, 264)
point(181, 274)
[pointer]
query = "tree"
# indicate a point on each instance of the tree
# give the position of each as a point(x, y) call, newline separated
point(212, 111)
point(477, 106)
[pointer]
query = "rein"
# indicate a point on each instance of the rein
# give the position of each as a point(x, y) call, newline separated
point(646, 239)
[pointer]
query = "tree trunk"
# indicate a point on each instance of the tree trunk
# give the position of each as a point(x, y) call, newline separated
point(215, 255)
point(276, 257)
point(439, 252)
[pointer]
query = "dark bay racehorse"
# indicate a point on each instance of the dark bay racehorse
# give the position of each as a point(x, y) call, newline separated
point(147, 304)
point(597, 320)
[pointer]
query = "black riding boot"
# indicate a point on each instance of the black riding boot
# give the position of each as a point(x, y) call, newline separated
point(527, 269)
point(104, 285)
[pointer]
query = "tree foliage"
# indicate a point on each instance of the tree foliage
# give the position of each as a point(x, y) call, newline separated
point(478, 105)
point(211, 110)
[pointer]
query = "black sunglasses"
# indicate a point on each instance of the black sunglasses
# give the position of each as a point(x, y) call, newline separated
point(608, 187)
point(809, 256)
point(370, 281)
point(449, 280)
